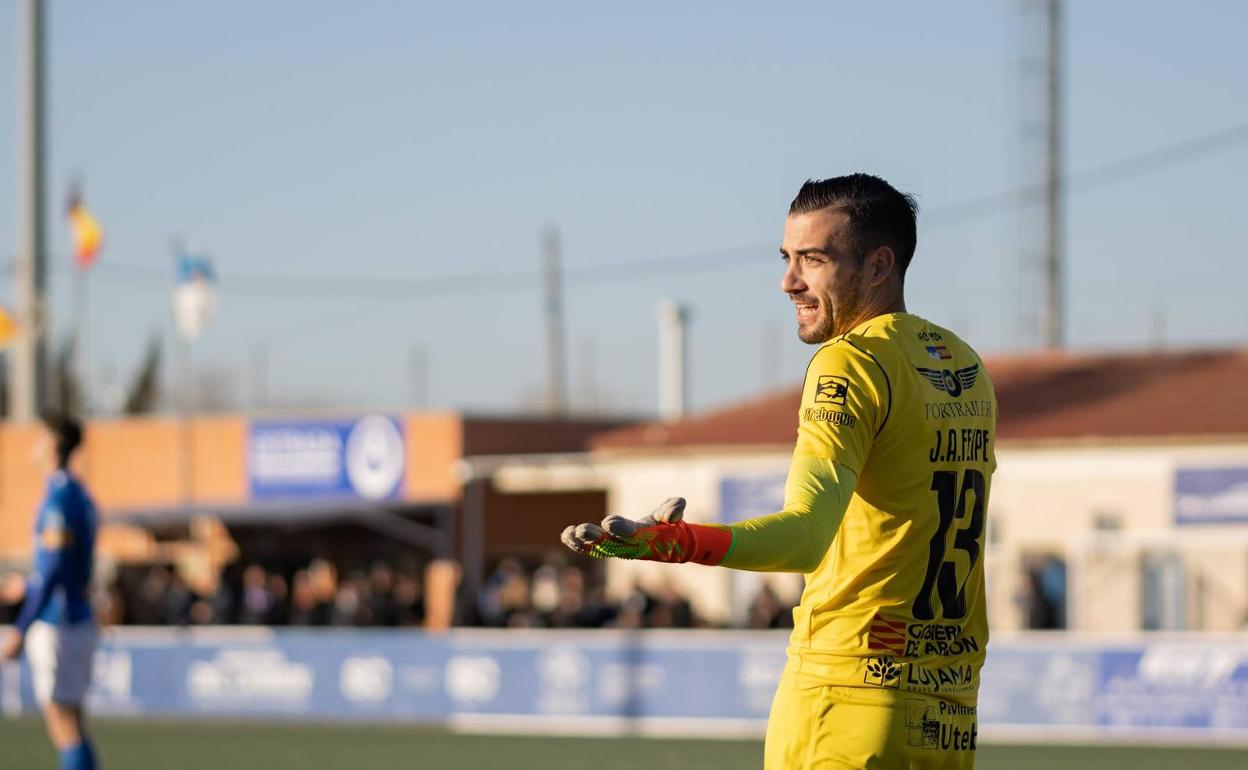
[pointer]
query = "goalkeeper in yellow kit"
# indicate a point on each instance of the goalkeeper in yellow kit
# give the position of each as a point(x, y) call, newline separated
point(884, 507)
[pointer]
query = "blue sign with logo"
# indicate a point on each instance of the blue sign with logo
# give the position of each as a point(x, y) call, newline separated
point(364, 459)
point(1211, 495)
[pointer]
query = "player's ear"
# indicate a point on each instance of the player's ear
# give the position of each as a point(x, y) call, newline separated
point(880, 265)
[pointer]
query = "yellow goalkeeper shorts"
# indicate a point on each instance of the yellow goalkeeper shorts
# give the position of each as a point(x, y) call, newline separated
point(824, 727)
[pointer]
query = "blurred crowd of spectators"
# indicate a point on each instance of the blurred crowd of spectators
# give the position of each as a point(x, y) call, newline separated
point(316, 595)
point(557, 596)
point(551, 595)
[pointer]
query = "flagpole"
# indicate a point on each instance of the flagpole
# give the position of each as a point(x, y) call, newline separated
point(178, 247)
point(84, 362)
point(192, 303)
point(188, 413)
point(81, 356)
point(87, 240)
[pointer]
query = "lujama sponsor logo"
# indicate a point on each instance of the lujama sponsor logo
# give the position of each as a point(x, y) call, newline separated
point(882, 672)
point(946, 679)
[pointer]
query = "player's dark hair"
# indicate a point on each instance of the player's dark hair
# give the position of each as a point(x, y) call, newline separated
point(66, 430)
point(880, 214)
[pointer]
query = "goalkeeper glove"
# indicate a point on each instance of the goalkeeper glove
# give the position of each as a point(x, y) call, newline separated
point(661, 536)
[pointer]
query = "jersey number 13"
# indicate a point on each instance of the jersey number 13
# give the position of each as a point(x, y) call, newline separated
point(942, 575)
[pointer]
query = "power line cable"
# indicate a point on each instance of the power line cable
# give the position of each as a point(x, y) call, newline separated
point(1102, 175)
point(407, 288)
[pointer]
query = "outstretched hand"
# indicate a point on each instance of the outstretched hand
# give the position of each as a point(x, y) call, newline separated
point(661, 536)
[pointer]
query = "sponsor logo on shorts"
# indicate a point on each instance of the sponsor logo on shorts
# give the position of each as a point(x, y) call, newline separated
point(934, 725)
point(947, 679)
point(922, 728)
point(882, 672)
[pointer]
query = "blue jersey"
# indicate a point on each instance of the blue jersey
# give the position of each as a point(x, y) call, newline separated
point(57, 590)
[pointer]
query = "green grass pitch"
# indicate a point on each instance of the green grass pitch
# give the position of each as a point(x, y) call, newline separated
point(145, 745)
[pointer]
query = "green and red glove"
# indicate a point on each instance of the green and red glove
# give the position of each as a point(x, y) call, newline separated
point(661, 536)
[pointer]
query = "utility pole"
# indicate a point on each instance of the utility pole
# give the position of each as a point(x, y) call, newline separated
point(1054, 310)
point(1157, 326)
point(556, 366)
point(28, 370)
point(673, 321)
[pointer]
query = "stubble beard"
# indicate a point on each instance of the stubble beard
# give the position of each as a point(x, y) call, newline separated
point(840, 314)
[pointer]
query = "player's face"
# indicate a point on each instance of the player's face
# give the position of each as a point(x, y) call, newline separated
point(43, 452)
point(822, 275)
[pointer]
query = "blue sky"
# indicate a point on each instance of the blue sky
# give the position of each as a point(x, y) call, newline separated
point(406, 141)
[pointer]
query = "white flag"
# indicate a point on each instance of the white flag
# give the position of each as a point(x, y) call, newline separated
point(194, 296)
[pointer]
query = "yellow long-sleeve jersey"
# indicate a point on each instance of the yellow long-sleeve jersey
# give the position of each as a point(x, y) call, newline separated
point(901, 412)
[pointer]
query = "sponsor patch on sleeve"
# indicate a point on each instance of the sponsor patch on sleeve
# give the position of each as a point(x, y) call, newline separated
point(831, 389)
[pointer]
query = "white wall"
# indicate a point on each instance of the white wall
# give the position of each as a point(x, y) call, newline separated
point(1050, 498)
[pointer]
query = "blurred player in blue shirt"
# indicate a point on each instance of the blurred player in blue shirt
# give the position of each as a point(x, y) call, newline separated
point(56, 627)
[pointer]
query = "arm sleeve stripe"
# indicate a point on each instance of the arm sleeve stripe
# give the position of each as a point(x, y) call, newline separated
point(887, 383)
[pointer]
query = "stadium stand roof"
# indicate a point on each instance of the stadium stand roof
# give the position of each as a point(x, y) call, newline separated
point(1041, 397)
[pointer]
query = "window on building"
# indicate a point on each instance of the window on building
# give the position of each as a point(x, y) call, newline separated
point(1044, 591)
point(995, 519)
point(1106, 521)
point(1162, 599)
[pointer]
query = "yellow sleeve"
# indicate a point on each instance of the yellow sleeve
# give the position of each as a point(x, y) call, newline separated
point(816, 495)
point(846, 400)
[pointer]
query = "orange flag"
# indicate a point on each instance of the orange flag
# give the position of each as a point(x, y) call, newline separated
point(88, 237)
point(8, 327)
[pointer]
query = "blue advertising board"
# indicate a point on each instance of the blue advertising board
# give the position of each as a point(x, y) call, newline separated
point(1211, 495)
point(1183, 687)
point(333, 459)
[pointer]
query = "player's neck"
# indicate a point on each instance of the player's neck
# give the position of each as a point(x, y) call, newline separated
point(877, 307)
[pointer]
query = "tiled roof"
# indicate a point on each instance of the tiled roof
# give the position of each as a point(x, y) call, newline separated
point(1043, 396)
point(527, 435)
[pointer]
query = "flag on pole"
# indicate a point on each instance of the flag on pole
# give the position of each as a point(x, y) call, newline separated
point(194, 295)
point(8, 327)
point(86, 231)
